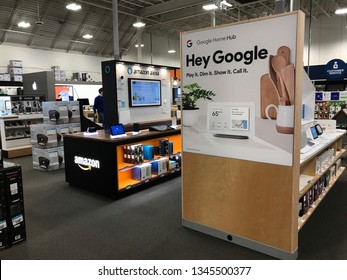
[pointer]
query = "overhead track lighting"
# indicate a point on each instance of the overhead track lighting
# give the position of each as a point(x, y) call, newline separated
point(171, 51)
point(210, 7)
point(142, 45)
point(23, 24)
point(341, 11)
point(73, 7)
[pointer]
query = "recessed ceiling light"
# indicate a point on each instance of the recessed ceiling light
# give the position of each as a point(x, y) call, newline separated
point(73, 7)
point(23, 24)
point(171, 51)
point(87, 36)
point(210, 7)
point(142, 45)
point(341, 11)
point(139, 24)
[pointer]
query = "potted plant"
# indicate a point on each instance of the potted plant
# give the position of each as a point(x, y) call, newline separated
point(191, 93)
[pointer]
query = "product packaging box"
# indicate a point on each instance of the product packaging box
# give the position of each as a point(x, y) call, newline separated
point(15, 63)
point(55, 112)
point(61, 157)
point(163, 147)
point(45, 159)
point(337, 165)
point(4, 234)
point(171, 148)
point(1, 76)
point(16, 70)
point(74, 112)
point(173, 165)
point(148, 152)
point(11, 184)
point(43, 136)
point(62, 129)
point(133, 154)
point(16, 222)
point(159, 166)
point(176, 158)
point(141, 172)
point(74, 127)
point(7, 77)
point(16, 77)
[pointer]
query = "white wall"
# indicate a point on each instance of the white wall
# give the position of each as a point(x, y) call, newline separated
point(35, 60)
point(328, 40)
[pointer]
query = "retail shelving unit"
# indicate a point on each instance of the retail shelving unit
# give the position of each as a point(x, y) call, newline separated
point(15, 134)
point(96, 162)
point(241, 190)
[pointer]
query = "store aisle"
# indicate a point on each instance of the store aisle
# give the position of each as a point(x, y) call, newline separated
point(64, 222)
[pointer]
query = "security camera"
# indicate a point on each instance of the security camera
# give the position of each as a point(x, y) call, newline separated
point(121, 77)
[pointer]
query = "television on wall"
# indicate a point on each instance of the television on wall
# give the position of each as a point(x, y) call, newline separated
point(144, 92)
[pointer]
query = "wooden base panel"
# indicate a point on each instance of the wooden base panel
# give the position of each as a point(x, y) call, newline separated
point(17, 152)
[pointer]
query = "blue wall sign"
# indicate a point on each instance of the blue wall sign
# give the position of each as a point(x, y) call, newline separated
point(335, 69)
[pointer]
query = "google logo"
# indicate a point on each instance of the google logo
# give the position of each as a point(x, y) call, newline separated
point(189, 43)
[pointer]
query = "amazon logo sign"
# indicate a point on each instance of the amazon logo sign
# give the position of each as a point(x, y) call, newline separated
point(87, 163)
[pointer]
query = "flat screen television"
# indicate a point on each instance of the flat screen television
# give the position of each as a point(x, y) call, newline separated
point(144, 92)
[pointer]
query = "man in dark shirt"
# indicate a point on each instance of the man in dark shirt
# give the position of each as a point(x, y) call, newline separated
point(99, 106)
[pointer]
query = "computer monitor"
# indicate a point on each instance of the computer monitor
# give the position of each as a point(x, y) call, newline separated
point(84, 101)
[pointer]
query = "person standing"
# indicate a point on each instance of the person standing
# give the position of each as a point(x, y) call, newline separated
point(99, 106)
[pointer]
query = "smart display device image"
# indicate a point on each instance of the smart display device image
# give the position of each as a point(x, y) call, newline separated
point(319, 129)
point(117, 129)
point(143, 93)
point(314, 132)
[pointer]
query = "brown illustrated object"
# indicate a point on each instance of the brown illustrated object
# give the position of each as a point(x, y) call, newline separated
point(277, 87)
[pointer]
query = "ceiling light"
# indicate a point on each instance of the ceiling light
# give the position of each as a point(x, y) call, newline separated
point(171, 51)
point(225, 3)
point(139, 24)
point(87, 36)
point(142, 45)
point(341, 11)
point(23, 24)
point(210, 7)
point(73, 7)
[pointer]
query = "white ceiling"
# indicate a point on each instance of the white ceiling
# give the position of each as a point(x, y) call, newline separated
point(63, 29)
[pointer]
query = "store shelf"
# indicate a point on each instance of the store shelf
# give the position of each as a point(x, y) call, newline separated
point(319, 175)
point(302, 220)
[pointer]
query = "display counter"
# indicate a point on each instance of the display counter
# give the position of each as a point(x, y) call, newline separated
point(117, 166)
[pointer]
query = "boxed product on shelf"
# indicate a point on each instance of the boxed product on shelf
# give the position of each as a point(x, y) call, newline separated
point(74, 127)
point(141, 172)
point(337, 165)
point(163, 147)
point(62, 129)
point(16, 222)
point(1, 76)
point(4, 234)
point(16, 70)
point(332, 171)
point(43, 135)
point(11, 183)
point(74, 112)
point(159, 166)
point(133, 153)
point(7, 77)
point(304, 205)
point(45, 159)
point(177, 158)
point(15, 63)
point(173, 165)
point(16, 77)
point(148, 152)
point(55, 112)
point(61, 160)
